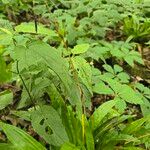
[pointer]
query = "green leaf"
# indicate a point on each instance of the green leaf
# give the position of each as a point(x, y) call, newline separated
point(5, 75)
point(48, 124)
point(81, 48)
point(97, 52)
point(89, 136)
point(135, 126)
point(72, 125)
point(4, 30)
point(125, 92)
point(117, 53)
point(124, 77)
point(55, 97)
point(132, 148)
point(26, 115)
point(101, 112)
point(145, 107)
point(84, 71)
point(6, 98)
point(101, 88)
point(30, 28)
point(120, 104)
point(108, 68)
point(129, 95)
point(20, 139)
point(133, 56)
point(69, 146)
point(117, 68)
point(5, 146)
point(42, 52)
point(6, 39)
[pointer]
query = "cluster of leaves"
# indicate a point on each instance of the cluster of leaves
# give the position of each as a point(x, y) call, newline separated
point(56, 66)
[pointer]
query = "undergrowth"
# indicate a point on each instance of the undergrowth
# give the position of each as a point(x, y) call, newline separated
point(67, 78)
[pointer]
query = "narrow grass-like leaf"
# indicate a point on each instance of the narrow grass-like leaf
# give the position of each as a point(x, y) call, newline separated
point(69, 146)
point(101, 112)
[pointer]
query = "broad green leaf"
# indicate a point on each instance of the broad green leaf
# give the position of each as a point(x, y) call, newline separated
point(145, 107)
point(30, 28)
point(101, 88)
point(117, 53)
point(108, 68)
point(39, 9)
point(38, 88)
point(6, 36)
point(117, 68)
point(129, 60)
point(124, 91)
point(81, 48)
point(120, 104)
point(129, 95)
point(42, 52)
point(101, 112)
point(6, 39)
point(48, 124)
point(20, 139)
point(133, 56)
point(115, 86)
point(97, 53)
point(6, 98)
point(109, 75)
point(123, 77)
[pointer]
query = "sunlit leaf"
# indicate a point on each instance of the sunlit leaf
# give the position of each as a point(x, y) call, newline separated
point(78, 49)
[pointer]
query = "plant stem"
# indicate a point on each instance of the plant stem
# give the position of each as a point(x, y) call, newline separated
point(23, 82)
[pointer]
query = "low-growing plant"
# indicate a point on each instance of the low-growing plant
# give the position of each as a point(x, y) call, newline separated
point(137, 27)
point(61, 66)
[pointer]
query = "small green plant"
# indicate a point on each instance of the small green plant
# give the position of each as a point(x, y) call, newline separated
point(137, 27)
point(105, 129)
point(58, 57)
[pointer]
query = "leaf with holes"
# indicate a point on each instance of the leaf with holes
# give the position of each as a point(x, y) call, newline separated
point(48, 124)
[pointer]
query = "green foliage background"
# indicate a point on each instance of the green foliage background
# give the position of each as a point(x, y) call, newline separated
point(61, 54)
